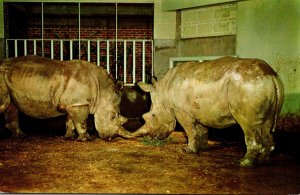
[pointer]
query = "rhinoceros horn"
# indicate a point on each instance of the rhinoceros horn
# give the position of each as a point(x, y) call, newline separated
point(143, 130)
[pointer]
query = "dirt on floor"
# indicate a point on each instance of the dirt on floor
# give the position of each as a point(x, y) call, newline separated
point(50, 164)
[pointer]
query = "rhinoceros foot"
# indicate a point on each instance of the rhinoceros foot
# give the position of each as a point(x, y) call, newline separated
point(246, 162)
point(69, 137)
point(264, 159)
point(191, 150)
point(19, 135)
point(84, 137)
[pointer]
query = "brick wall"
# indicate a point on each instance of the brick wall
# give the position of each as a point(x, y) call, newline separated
point(71, 32)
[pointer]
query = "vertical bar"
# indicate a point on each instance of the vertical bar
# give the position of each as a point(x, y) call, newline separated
point(42, 29)
point(52, 49)
point(89, 50)
point(133, 62)
point(16, 48)
point(34, 47)
point(71, 49)
point(116, 57)
point(61, 50)
point(143, 62)
point(125, 62)
point(79, 42)
point(7, 49)
point(152, 60)
point(116, 41)
point(107, 56)
point(98, 53)
point(25, 47)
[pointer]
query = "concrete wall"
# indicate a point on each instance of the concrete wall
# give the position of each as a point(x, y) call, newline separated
point(196, 31)
point(270, 30)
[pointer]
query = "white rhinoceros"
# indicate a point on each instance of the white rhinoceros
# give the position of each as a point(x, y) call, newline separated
point(217, 94)
point(44, 88)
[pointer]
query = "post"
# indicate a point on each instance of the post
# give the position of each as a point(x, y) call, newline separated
point(107, 56)
point(89, 50)
point(143, 62)
point(98, 52)
point(25, 47)
point(61, 50)
point(16, 48)
point(71, 49)
point(133, 62)
point(125, 63)
point(52, 49)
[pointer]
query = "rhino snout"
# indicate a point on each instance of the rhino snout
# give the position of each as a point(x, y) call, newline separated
point(106, 137)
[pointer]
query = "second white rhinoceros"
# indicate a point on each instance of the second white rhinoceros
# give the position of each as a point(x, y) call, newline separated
point(217, 94)
point(44, 88)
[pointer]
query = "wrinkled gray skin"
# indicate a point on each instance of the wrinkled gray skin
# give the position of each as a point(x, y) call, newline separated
point(44, 88)
point(217, 94)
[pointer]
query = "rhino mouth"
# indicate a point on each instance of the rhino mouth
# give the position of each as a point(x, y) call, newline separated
point(159, 136)
point(106, 137)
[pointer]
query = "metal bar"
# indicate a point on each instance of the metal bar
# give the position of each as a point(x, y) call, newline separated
point(116, 57)
point(143, 62)
point(34, 47)
point(152, 60)
point(107, 56)
point(125, 63)
point(71, 49)
point(42, 29)
point(116, 60)
point(16, 48)
point(89, 50)
point(7, 48)
point(52, 49)
point(98, 53)
point(79, 42)
point(25, 47)
point(61, 50)
point(133, 62)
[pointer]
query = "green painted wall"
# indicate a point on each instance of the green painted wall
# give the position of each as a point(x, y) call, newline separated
point(169, 5)
point(270, 30)
point(1, 20)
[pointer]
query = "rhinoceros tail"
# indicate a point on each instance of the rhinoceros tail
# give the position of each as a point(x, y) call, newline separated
point(279, 89)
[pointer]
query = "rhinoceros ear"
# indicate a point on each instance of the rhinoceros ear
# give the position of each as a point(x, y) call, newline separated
point(145, 87)
point(154, 79)
point(119, 86)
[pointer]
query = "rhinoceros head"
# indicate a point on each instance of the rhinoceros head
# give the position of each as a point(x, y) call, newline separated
point(159, 121)
point(108, 120)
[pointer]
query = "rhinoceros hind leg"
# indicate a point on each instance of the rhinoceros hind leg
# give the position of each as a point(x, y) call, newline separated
point(79, 115)
point(196, 133)
point(259, 142)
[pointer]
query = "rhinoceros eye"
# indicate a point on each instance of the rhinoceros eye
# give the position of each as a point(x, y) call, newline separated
point(112, 115)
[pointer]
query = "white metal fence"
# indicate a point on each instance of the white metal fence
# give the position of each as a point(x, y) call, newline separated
point(130, 61)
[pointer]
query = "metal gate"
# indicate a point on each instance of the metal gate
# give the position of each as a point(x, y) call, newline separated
point(129, 60)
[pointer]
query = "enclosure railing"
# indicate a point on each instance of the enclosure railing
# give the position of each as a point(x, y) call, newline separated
point(130, 60)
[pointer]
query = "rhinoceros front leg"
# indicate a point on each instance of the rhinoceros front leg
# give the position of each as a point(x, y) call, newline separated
point(78, 115)
point(70, 135)
point(196, 133)
point(12, 121)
